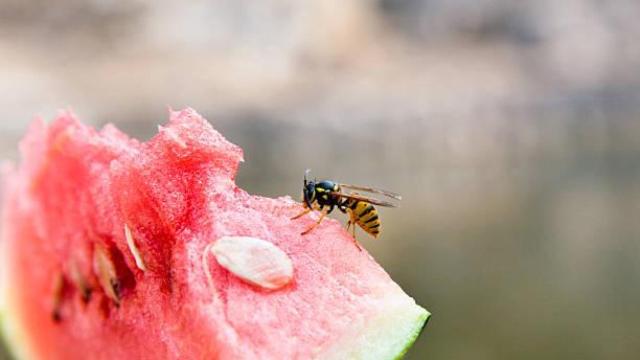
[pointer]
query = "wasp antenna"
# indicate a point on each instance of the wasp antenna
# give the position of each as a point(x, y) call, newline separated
point(306, 173)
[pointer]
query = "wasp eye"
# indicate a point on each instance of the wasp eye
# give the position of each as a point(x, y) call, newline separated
point(308, 196)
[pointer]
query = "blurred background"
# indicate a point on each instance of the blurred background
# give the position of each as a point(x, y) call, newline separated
point(512, 129)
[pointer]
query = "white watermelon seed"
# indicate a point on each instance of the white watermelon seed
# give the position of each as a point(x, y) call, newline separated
point(253, 260)
point(134, 249)
point(106, 271)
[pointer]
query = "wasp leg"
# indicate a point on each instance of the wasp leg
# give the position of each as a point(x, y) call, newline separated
point(351, 223)
point(322, 215)
point(353, 233)
point(354, 239)
point(306, 211)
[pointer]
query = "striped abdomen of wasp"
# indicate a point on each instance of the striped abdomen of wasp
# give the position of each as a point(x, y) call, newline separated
point(363, 214)
point(326, 195)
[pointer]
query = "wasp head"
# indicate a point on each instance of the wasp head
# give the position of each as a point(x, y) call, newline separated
point(308, 190)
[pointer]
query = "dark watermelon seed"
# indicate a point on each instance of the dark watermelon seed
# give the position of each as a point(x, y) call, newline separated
point(80, 282)
point(106, 272)
point(58, 292)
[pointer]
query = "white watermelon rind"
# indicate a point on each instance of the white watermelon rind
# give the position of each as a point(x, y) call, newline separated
point(10, 341)
point(388, 336)
point(11, 335)
point(5, 345)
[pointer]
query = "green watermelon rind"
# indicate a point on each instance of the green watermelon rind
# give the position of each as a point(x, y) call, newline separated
point(386, 336)
point(12, 337)
point(6, 344)
point(8, 341)
point(3, 343)
point(422, 323)
point(5, 348)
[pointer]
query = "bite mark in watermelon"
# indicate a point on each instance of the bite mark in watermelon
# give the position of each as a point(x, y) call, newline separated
point(73, 286)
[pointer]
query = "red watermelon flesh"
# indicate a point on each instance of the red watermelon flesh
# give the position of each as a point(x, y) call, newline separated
point(71, 288)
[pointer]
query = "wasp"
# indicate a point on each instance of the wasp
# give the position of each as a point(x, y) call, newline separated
point(326, 195)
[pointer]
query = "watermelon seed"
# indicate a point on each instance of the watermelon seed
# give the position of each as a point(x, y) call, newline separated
point(106, 271)
point(134, 250)
point(253, 260)
point(58, 289)
point(80, 282)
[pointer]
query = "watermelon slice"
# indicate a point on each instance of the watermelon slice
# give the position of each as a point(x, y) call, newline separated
point(104, 256)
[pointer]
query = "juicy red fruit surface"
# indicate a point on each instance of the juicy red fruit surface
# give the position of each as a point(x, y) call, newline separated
point(77, 188)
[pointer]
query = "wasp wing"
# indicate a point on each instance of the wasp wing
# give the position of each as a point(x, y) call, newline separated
point(363, 198)
point(373, 190)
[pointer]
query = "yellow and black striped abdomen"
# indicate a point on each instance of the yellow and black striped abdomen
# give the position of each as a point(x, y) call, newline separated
point(365, 215)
